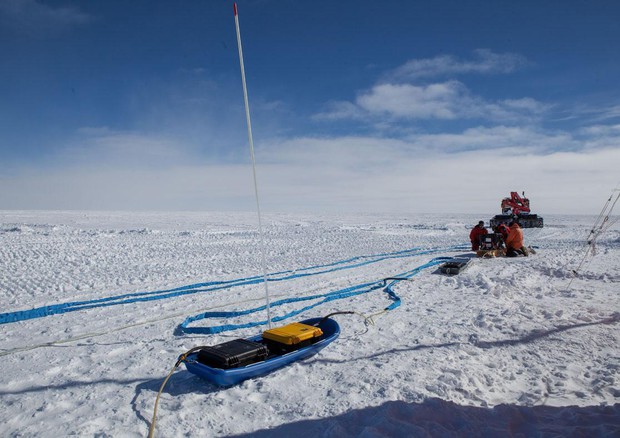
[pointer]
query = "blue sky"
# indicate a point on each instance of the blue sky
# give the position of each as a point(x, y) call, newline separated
point(357, 106)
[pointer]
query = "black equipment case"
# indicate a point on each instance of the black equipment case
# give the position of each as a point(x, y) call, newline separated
point(454, 266)
point(491, 241)
point(233, 354)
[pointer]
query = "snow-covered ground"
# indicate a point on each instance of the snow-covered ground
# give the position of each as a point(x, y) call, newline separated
point(508, 347)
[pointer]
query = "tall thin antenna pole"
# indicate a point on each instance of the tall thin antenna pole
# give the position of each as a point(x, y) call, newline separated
point(249, 123)
point(600, 225)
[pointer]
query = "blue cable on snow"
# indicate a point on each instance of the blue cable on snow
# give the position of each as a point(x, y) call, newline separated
point(327, 297)
point(54, 309)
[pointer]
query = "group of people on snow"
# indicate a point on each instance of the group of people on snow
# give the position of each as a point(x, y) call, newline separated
point(511, 236)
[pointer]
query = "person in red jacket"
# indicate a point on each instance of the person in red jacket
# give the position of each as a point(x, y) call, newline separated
point(514, 241)
point(475, 234)
point(503, 230)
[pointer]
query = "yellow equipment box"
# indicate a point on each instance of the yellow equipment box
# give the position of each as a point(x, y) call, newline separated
point(293, 334)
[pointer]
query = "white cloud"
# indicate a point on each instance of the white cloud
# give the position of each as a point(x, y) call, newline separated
point(467, 172)
point(601, 136)
point(410, 101)
point(485, 62)
point(502, 139)
point(374, 174)
point(602, 131)
point(526, 104)
point(35, 18)
point(337, 110)
point(396, 97)
point(444, 101)
point(591, 113)
point(610, 112)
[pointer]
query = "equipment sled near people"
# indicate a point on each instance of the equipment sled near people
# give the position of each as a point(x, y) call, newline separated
point(256, 356)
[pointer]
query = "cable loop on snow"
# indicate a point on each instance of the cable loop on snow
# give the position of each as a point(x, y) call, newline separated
point(220, 285)
point(211, 286)
point(348, 292)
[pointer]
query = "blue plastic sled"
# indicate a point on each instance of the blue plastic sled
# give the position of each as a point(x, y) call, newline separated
point(232, 376)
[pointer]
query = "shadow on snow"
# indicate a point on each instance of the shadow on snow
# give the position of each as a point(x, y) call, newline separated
point(439, 418)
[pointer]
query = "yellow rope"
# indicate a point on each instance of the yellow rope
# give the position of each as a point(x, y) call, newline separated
point(161, 389)
point(370, 319)
point(152, 428)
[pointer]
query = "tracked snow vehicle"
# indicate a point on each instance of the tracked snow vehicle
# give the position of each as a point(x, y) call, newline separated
point(519, 207)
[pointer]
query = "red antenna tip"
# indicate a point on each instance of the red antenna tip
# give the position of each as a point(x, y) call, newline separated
point(235, 8)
